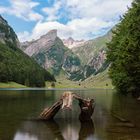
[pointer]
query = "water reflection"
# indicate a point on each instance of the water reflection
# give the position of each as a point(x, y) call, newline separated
point(18, 106)
point(86, 130)
point(25, 136)
point(39, 130)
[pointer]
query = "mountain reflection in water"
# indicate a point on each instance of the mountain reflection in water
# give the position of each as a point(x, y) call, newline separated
point(39, 130)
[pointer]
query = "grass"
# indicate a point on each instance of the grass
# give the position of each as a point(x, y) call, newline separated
point(11, 85)
point(63, 83)
point(101, 80)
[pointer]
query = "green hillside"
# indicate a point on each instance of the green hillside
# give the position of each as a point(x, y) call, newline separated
point(15, 65)
point(100, 80)
point(58, 58)
point(92, 47)
point(11, 85)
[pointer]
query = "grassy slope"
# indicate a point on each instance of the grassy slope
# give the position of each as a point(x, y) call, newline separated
point(11, 85)
point(63, 82)
point(98, 81)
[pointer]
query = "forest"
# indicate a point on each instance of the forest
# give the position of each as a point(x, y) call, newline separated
point(18, 67)
point(124, 52)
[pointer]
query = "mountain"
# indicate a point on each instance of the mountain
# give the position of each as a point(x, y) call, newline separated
point(14, 64)
point(92, 48)
point(71, 43)
point(100, 80)
point(92, 55)
point(50, 52)
point(85, 58)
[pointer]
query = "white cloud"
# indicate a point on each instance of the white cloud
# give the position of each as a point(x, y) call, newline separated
point(86, 18)
point(104, 9)
point(77, 28)
point(2, 9)
point(97, 8)
point(52, 12)
point(23, 36)
point(22, 9)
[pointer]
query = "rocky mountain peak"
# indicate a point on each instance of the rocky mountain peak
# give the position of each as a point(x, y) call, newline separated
point(71, 39)
point(83, 59)
point(44, 42)
point(51, 35)
point(71, 43)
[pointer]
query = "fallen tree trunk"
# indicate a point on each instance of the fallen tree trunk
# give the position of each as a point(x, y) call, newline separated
point(49, 113)
point(86, 106)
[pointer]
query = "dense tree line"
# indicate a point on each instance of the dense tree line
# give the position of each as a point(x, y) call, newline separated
point(15, 65)
point(18, 67)
point(124, 52)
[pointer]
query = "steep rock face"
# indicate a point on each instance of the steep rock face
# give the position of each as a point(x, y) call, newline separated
point(93, 55)
point(98, 61)
point(71, 43)
point(7, 34)
point(92, 48)
point(45, 41)
point(50, 52)
point(96, 64)
point(78, 63)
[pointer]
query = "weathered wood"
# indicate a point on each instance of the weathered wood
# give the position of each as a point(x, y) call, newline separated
point(119, 117)
point(123, 122)
point(87, 108)
point(49, 113)
point(67, 98)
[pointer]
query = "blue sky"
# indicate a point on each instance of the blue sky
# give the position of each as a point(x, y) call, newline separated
point(80, 19)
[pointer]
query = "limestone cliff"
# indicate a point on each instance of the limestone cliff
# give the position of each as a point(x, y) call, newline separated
point(85, 58)
point(71, 43)
point(50, 52)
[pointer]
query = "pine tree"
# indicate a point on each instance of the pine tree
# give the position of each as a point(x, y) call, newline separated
point(124, 52)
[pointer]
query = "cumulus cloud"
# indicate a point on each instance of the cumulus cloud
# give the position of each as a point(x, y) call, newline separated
point(104, 9)
point(86, 19)
point(24, 36)
point(53, 12)
point(22, 9)
point(77, 28)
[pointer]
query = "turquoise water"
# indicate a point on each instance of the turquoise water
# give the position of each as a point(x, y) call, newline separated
point(116, 117)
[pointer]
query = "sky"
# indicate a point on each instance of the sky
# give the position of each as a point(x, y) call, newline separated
point(80, 19)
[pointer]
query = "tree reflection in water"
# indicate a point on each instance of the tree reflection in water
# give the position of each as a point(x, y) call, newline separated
point(86, 130)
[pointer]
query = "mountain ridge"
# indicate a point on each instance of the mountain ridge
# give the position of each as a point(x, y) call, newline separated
point(15, 65)
point(50, 52)
point(78, 62)
point(71, 43)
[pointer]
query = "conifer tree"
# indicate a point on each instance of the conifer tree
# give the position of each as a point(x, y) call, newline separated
point(124, 52)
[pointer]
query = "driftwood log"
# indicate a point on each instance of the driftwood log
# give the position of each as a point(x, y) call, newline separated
point(86, 106)
point(49, 113)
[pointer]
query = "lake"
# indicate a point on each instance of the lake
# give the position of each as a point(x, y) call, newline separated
point(116, 117)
